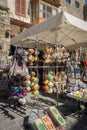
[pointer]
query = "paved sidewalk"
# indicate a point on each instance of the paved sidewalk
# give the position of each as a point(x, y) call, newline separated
point(12, 119)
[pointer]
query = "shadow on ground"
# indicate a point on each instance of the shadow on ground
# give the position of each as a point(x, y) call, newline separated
point(67, 108)
point(81, 123)
point(9, 110)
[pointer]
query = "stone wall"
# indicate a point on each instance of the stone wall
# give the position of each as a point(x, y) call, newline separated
point(70, 8)
point(4, 29)
point(85, 12)
point(3, 3)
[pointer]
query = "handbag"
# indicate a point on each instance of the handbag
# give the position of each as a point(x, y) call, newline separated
point(17, 69)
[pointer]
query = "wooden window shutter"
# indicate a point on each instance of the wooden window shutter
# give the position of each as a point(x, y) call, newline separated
point(17, 6)
point(20, 7)
point(23, 7)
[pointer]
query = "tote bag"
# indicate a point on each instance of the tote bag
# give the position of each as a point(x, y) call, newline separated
point(15, 69)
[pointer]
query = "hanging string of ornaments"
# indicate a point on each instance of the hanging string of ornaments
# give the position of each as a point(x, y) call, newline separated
point(59, 55)
point(50, 54)
point(31, 83)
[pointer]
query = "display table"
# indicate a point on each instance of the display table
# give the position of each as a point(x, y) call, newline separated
point(77, 98)
point(79, 101)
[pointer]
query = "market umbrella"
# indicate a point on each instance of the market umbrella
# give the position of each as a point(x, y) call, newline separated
point(71, 33)
point(43, 27)
point(62, 28)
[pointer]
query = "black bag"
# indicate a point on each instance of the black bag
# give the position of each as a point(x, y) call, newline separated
point(29, 120)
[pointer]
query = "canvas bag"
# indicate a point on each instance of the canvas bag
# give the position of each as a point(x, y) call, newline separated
point(15, 69)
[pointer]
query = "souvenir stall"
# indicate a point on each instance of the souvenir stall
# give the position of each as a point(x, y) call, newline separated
point(23, 73)
point(50, 66)
point(68, 30)
point(41, 67)
point(77, 77)
point(76, 72)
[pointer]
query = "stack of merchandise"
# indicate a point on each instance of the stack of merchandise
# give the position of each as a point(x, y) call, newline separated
point(79, 86)
point(56, 117)
point(77, 73)
point(79, 92)
point(18, 91)
point(74, 74)
point(52, 120)
point(16, 87)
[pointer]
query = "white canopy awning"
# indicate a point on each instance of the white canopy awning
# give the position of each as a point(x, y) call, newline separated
point(38, 28)
point(64, 28)
point(76, 21)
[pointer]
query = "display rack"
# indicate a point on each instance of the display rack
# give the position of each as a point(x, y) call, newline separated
point(53, 65)
point(41, 67)
point(77, 79)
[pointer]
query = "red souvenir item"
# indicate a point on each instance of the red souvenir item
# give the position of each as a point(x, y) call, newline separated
point(85, 62)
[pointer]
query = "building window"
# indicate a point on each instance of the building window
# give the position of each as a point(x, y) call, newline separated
point(42, 6)
point(68, 1)
point(76, 4)
point(20, 7)
point(85, 1)
point(47, 11)
point(54, 11)
point(43, 15)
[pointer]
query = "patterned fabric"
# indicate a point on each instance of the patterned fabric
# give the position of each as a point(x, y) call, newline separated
point(15, 69)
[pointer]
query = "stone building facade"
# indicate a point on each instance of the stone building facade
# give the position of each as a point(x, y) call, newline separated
point(26, 13)
point(77, 8)
point(4, 29)
point(19, 15)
